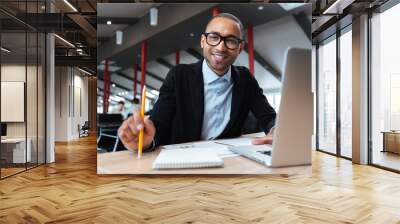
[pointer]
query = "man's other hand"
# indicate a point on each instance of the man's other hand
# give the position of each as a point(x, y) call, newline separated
point(267, 139)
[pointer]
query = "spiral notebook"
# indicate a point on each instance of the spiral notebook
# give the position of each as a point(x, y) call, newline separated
point(187, 158)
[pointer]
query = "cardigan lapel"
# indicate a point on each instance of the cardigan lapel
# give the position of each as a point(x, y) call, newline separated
point(197, 92)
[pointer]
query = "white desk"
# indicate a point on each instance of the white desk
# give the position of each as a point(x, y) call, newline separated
point(126, 162)
point(18, 149)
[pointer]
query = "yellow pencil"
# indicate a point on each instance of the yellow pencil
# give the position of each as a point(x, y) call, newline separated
point(141, 132)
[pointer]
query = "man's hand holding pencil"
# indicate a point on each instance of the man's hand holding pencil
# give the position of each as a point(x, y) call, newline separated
point(137, 132)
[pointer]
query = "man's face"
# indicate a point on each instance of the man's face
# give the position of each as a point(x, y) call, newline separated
point(121, 107)
point(219, 57)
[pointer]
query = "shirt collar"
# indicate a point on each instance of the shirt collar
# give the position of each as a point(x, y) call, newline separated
point(210, 76)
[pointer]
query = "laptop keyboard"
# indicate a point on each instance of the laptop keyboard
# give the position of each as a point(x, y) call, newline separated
point(260, 156)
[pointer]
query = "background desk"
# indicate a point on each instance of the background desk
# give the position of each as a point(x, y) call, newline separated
point(13, 150)
point(391, 141)
point(126, 162)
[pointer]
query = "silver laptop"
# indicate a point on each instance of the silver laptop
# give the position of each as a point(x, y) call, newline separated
point(294, 124)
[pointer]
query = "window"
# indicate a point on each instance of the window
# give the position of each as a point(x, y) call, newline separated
point(327, 95)
point(346, 92)
point(385, 88)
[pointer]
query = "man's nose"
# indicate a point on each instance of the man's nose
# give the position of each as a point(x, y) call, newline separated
point(221, 46)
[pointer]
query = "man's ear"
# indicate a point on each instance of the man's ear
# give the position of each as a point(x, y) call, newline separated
point(241, 46)
point(202, 39)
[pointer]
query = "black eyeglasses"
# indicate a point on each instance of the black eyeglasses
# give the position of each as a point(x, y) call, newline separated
point(231, 42)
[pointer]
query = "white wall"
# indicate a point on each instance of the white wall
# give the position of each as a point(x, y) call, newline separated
point(71, 94)
point(80, 109)
point(12, 73)
point(272, 39)
point(33, 126)
point(61, 103)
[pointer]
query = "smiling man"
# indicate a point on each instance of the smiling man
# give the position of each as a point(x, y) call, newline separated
point(207, 100)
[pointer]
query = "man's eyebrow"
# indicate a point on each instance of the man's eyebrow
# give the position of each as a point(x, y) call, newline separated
point(214, 32)
point(230, 35)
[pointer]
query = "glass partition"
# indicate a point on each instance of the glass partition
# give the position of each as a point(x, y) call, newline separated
point(22, 87)
point(15, 151)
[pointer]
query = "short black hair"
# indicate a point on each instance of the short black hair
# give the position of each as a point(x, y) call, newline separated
point(121, 102)
point(231, 17)
point(135, 100)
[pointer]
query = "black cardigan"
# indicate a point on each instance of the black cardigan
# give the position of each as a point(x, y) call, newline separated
point(178, 112)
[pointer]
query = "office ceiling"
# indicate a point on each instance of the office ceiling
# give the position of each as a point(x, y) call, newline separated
point(73, 21)
point(184, 36)
point(120, 15)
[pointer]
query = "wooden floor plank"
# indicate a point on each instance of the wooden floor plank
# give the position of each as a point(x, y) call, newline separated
point(70, 191)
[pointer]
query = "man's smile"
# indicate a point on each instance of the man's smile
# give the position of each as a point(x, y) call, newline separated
point(219, 57)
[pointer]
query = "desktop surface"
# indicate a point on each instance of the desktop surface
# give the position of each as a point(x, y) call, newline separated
point(126, 162)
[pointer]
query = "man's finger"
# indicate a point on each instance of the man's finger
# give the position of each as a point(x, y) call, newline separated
point(261, 141)
point(128, 137)
point(133, 128)
point(125, 133)
point(150, 130)
point(138, 121)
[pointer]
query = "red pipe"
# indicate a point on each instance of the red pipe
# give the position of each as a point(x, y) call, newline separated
point(250, 46)
point(177, 56)
point(134, 80)
point(144, 59)
point(216, 11)
point(106, 88)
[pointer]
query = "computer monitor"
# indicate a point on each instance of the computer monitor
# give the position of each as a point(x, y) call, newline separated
point(3, 129)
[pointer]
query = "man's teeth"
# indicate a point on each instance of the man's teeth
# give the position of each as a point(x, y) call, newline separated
point(219, 56)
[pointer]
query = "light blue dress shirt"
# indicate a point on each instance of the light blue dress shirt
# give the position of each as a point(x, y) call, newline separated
point(217, 102)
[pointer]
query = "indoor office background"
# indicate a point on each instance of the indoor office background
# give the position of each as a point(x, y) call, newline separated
point(274, 27)
point(333, 65)
point(36, 35)
point(22, 79)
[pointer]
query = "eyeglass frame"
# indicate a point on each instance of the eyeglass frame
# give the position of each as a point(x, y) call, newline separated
point(223, 39)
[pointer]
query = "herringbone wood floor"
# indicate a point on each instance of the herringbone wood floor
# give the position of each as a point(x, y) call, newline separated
point(70, 191)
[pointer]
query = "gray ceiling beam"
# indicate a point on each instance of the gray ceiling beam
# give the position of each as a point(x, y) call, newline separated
point(100, 77)
point(140, 31)
point(84, 24)
point(265, 64)
point(116, 84)
point(117, 20)
point(82, 61)
point(320, 23)
point(126, 98)
point(194, 53)
point(152, 75)
point(131, 78)
point(164, 62)
point(91, 5)
point(305, 25)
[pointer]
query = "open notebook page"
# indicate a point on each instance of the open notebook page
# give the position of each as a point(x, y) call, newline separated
point(179, 158)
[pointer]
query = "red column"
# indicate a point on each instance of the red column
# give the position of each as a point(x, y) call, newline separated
point(144, 59)
point(215, 11)
point(106, 88)
point(250, 45)
point(177, 56)
point(134, 80)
